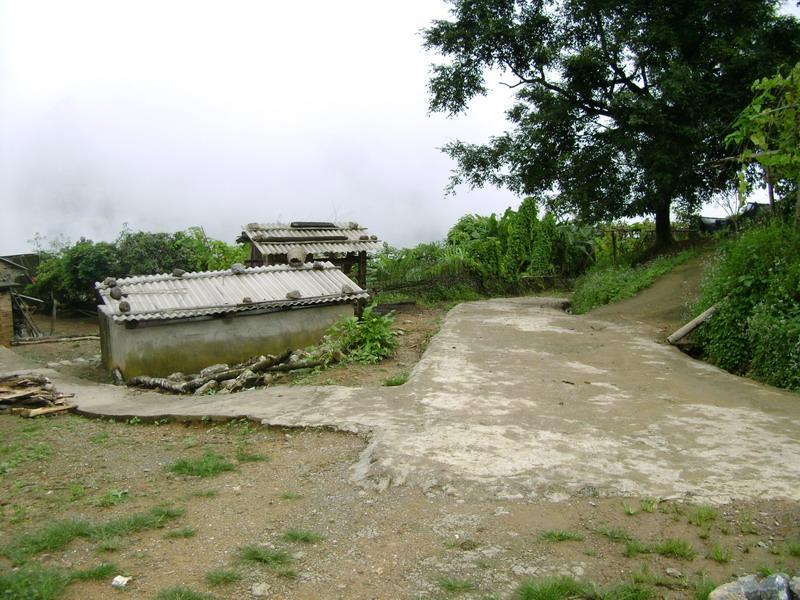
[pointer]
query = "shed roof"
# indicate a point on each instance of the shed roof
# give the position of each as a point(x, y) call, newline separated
point(165, 297)
point(272, 239)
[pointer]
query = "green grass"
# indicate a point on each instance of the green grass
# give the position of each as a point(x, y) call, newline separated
point(746, 525)
point(553, 588)
point(766, 570)
point(673, 548)
point(604, 285)
point(703, 516)
point(244, 455)
point(635, 547)
point(627, 591)
point(558, 535)
point(456, 586)
point(179, 592)
point(222, 576)
point(396, 380)
point(291, 496)
point(183, 532)
point(208, 465)
point(648, 505)
point(720, 554)
point(793, 548)
point(58, 534)
point(205, 494)
point(629, 510)
point(702, 588)
point(615, 534)
point(34, 582)
point(112, 498)
point(302, 535)
point(265, 555)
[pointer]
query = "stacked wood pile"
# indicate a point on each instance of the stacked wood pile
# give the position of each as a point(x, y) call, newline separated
point(255, 372)
point(31, 395)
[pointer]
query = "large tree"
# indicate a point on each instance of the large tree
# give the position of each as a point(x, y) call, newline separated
point(621, 106)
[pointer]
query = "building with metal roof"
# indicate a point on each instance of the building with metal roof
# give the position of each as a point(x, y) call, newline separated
point(160, 324)
point(344, 244)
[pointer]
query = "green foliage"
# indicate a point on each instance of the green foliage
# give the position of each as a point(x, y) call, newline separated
point(58, 534)
point(35, 582)
point(303, 535)
point(487, 256)
point(222, 576)
point(614, 100)
point(456, 586)
point(673, 548)
point(720, 554)
point(367, 340)
point(756, 329)
point(208, 465)
point(703, 515)
point(265, 555)
point(553, 588)
point(396, 380)
point(767, 131)
point(604, 285)
point(69, 272)
point(179, 592)
point(558, 535)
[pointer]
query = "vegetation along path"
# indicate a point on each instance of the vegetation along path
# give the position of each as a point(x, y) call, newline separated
point(516, 398)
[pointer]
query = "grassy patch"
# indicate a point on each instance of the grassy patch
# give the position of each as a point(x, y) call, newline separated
point(302, 535)
point(702, 588)
point(222, 576)
point(208, 465)
point(720, 554)
point(39, 583)
point(626, 591)
point(793, 548)
point(205, 494)
point(244, 455)
point(703, 516)
point(629, 510)
point(112, 498)
point(179, 592)
point(396, 380)
point(746, 525)
point(291, 496)
point(604, 285)
point(648, 505)
point(183, 532)
point(552, 588)
point(635, 548)
point(557, 535)
point(265, 555)
point(673, 548)
point(58, 534)
point(456, 586)
point(615, 534)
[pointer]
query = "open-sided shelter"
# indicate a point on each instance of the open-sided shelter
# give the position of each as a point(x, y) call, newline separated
point(161, 324)
point(344, 244)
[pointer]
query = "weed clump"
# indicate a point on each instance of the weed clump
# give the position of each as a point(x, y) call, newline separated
point(208, 465)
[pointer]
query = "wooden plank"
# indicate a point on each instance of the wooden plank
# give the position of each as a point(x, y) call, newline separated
point(48, 340)
point(692, 325)
point(18, 395)
point(37, 412)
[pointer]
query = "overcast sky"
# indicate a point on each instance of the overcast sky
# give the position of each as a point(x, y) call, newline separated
point(166, 114)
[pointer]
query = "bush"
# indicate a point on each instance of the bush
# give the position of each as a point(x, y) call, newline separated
point(368, 340)
point(756, 284)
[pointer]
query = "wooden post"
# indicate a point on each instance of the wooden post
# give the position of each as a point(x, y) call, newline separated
point(614, 245)
point(692, 325)
point(53, 314)
point(362, 269)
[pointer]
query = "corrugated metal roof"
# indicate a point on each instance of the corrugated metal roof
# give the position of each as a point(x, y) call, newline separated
point(159, 297)
point(278, 238)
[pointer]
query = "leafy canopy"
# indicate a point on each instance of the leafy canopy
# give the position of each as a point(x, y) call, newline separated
point(619, 104)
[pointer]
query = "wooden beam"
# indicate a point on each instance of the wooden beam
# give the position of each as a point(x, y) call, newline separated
point(693, 324)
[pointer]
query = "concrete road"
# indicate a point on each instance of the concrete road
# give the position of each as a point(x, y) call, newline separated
point(515, 398)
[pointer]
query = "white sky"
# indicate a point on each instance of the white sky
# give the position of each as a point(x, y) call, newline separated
point(167, 114)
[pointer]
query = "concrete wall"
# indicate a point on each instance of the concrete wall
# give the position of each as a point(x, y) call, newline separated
point(188, 346)
point(6, 319)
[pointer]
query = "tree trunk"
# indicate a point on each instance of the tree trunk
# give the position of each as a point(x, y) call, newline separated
point(663, 228)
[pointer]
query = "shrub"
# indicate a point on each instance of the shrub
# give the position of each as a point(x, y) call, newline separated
point(756, 285)
point(368, 340)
